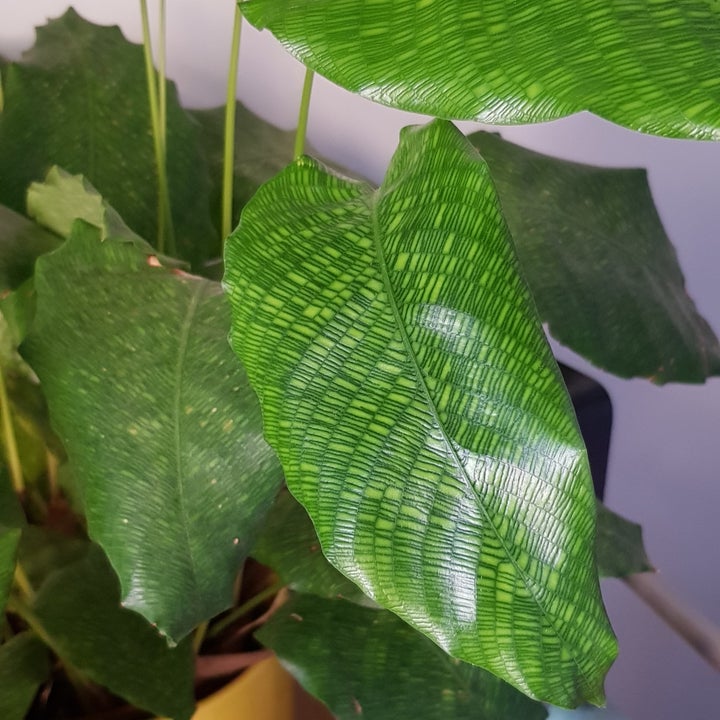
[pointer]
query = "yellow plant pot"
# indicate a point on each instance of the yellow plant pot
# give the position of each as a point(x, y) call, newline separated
point(263, 692)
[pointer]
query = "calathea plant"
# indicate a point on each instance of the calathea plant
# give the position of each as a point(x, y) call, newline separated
point(438, 551)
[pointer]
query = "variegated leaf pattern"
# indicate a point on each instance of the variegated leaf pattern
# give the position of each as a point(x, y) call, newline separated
point(420, 418)
point(650, 65)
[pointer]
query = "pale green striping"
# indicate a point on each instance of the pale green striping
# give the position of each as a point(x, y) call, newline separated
point(650, 65)
point(410, 394)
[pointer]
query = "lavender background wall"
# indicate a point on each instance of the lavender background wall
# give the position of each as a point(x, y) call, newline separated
point(666, 444)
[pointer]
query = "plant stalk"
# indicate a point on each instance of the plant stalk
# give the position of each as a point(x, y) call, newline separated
point(229, 139)
point(699, 632)
point(23, 583)
point(10, 440)
point(245, 608)
point(164, 216)
point(304, 113)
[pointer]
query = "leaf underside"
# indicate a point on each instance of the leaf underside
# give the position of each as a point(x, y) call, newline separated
point(363, 662)
point(419, 415)
point(162, 430)
point(600, 266)
point(650, 66)
point(619, 545)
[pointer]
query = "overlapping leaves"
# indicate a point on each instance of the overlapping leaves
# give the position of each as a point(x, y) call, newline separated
point(647, 65)
point(418, 413)
point(162, 431)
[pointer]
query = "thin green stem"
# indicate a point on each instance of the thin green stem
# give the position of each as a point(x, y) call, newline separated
point(245, 608)
point(229, 143)
point(162, 85)
point(165, 230)
point(22, 581)
point(199, 636)
point(9, 439)
point(52, 475)
point(20, 608)
point(304, 113)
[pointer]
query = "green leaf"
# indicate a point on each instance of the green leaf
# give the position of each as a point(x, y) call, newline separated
point(12, 520)
point(43, 552)
point(619, 545)
point(261, 151)
point(650, 66)
point(363, 662)
point(78, 99)
point(162, 430)
point(592, 247)
point(21, 243)
point(290, 546)
point(24, 666)
point(63, 198)
point(78, 607)
point(409, 391)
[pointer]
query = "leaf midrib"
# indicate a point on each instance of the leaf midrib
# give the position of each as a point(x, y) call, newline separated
point(382, 264)
point(179, 369)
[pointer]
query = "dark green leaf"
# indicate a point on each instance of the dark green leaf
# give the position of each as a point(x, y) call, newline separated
point(619, 545)
point(79, 609)
point(289, 545)
point(409, 391)
point(650, 66)
point(363, 662)
point(24, 665)
point(12, 520)
point(43, 552)
point(78, 99)
point(21, 243)
point(261, 151)
point(602, 271)
point(163, 433)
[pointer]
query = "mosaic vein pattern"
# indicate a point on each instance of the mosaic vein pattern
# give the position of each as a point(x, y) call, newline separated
point(161, 427)
point(410, 394)
point(650, 65)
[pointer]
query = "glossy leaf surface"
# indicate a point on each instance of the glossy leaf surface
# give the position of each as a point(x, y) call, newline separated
point(12, 521)
point(619, 545)
point(162, 430)
point(601, 268)
point(78, 99)
point(80, 611)
point(419, 415)
point(364, 662)
point(647, 65)
point(24, 665)
point(21, 243)
point(289, 545)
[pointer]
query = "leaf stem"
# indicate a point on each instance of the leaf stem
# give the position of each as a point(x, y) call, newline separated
point(165, 231)
point(23, 583)
point(52, 475)
point(199, 636)
point(229, 140)
point(10, 440)
point(699, 632)
point(304, 113)
point(245, 608)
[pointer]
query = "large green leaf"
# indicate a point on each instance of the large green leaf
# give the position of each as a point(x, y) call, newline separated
point(602, 271)
point(289, 545)
point(363, 662)
point(162, 430)
point(650, 66)
point(79, 609)
point(78, 99)
point(419, 415)
point(12, 520)
point(619, 545)
point(24, 665)
point(21, 243)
